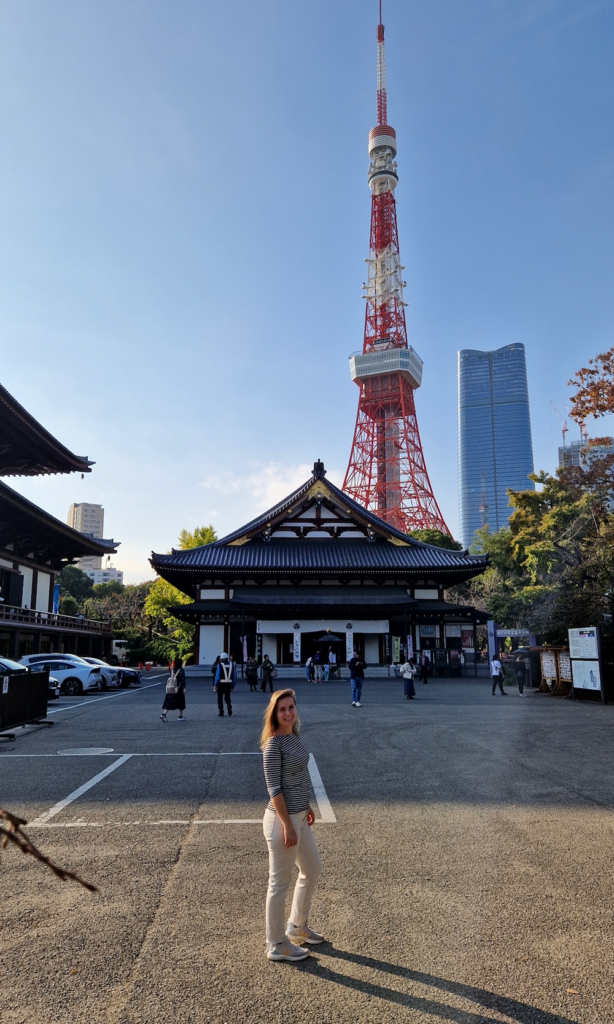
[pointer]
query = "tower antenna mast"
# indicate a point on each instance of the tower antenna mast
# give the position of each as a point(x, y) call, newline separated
point(386, 471)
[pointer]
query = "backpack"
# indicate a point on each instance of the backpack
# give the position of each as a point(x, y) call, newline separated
point(171, 686)
point(226, 668)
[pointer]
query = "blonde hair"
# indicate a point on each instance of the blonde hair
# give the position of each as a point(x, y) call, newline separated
point(270, 717)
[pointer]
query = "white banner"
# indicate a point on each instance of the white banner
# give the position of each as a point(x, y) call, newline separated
point(297, 646)
point(349, 646)
point(321, 625)
point(410, 647)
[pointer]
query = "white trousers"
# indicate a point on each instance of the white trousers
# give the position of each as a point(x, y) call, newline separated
point(281, 862)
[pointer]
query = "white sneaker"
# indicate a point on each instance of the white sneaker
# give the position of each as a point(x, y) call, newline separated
point(286, 950)
point(304, 934)
point(357, 703)
point(353, 703)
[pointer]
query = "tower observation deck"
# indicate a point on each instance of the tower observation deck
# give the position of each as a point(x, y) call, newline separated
point(386, 471)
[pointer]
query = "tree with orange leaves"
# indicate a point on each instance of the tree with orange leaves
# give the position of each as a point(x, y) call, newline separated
point(595, 383)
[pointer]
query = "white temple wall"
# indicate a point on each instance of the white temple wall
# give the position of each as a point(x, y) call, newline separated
point(269, 646)
point(372, 648)
point(211, 643)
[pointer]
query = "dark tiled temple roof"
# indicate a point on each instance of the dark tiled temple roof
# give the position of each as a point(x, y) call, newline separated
point(31, 529)
point(27, 449)
point(347, 556)
point(257, 549)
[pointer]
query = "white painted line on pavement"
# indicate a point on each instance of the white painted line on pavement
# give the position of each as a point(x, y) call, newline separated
point(196, 753)
point(51, 813)
point(324, 804)
point(110, 696)
point(179, 821)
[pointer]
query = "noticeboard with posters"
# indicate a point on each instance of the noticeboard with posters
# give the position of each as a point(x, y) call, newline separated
point(583, 643)
point(565, 666)
point(586, 675)
point(585, 654)
point(548, 664)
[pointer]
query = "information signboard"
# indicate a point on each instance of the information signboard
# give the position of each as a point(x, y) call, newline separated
point(548, 662)
point(585, 654)
point(586, 675)
point(583, 643)
point(565, 666)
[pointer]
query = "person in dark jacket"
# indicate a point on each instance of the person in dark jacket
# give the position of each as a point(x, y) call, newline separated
point(267, 673)
point(225, 682)
point(425, 669)
point(357, 668)
point(251, 674)
point(174, 699)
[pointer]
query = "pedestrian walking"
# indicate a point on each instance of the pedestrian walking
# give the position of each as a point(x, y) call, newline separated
point(425, 669)
point(308, 668)
point(521, 669)
point(332, 663)
point(357, 668)
point(268, 673)
point(408, 671)
point(251, 674)
point(496, 672)
point(214, 669)
point(287, 829)
point(225, 681)
point(174, 698)
point(317, 664)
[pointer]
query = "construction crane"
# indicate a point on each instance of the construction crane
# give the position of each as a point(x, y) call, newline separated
point(564, 427)
point(581, 424)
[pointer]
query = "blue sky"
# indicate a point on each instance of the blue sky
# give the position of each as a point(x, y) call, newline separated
point(184, 214)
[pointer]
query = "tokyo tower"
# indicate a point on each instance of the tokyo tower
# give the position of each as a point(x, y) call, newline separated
point(386, 472)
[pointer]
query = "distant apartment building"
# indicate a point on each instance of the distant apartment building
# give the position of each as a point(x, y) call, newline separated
point(105, 575)
point(495, 450)
point(583, 453)
point(87, 518)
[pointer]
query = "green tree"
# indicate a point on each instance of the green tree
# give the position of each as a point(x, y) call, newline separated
point(436, 537)
point(102, 590)
point(69, 605)
point(76, 583)
point(199, 536)
point(172, 634)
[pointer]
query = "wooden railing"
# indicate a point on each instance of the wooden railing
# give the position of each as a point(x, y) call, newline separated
point(51, 620)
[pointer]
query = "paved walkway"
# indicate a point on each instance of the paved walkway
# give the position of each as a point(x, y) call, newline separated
point(467, 878)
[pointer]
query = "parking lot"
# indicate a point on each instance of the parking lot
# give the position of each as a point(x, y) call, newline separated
point(465, 838)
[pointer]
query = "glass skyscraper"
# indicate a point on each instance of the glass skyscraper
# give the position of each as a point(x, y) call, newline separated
point(494, 435)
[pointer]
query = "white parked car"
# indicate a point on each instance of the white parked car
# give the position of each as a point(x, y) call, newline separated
point(108, 673)
point(33, 659)
point(73, 677)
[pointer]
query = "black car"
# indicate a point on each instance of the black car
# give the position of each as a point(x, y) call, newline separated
point(128, 677)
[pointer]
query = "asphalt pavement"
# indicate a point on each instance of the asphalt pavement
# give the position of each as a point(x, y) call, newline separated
point(466, 842)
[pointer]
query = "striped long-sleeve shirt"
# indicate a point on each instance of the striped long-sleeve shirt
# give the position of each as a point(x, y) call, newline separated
point(285, 760)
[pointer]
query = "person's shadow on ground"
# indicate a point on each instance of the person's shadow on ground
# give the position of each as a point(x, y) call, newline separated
point(521, 1012)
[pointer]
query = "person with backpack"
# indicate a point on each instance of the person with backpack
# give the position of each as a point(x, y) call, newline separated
point(268, 672)
point(408, 671)
point(251, 674)
point(225, 681)
point(174, 699)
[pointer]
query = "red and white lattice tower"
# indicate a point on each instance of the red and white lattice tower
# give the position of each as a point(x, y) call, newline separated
point(387, 472)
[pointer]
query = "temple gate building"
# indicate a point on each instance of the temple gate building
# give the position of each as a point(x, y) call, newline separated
point(318, 561)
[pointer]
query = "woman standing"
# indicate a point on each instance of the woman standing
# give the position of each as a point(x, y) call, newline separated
point(408, 671)
point(174, 699)
point(266, 670)
point(287, 830)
